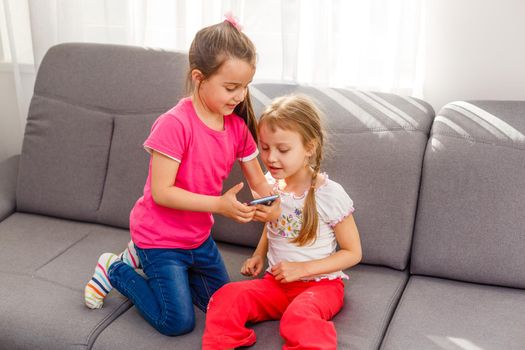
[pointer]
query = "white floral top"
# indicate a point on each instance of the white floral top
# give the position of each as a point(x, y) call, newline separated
point(333, 205)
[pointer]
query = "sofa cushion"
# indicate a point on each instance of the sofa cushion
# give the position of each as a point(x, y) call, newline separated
point(38, 314)
point(56, 250)
point(377, 144)
point(127, 168)
point(64, 159)
point(74, 266)
point(113, 77)
point(92, 109)
point(371, 295)
point(28, 242)
point(44, 265)
point(471, 210)
point(437, 314)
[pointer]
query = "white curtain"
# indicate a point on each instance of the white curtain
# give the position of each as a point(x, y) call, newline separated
point(366, 44)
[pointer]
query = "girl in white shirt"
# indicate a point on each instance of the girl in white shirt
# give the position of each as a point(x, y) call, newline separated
point(303, 284)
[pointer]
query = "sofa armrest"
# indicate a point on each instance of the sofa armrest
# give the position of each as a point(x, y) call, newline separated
point(8, 178)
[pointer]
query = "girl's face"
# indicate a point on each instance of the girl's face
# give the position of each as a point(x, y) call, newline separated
point(283, 152)
point(225, 89)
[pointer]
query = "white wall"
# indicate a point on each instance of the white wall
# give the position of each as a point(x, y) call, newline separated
point(475, 50)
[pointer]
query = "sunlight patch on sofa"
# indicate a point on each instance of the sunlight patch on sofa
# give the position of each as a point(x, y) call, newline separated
point(454, 343)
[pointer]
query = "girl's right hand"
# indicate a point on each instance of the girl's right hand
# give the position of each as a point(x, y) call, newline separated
point(252, 266)
point(232, 208)
point(266, 213)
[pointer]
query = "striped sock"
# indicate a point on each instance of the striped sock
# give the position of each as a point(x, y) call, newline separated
point(130, 256)
point(99, 286)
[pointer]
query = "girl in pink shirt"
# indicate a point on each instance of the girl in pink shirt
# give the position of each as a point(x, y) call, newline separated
point(193, 147)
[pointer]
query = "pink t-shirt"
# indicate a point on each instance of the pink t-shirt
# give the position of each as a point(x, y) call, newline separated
point(206, 157)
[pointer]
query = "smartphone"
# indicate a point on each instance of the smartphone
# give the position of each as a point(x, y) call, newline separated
point(264, 200)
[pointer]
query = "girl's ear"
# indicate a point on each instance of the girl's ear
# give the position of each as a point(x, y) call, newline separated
point(311, 148)
point(197, 77)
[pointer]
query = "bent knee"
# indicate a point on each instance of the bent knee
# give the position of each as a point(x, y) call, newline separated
point(177, 327)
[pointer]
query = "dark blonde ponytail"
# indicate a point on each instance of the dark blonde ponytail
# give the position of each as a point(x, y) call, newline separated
point(245, 111)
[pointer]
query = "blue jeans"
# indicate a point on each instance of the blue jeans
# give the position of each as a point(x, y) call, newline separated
point(176, 279)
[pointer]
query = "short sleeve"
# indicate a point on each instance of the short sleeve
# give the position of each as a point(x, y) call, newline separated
point(333, 203)
point(168, 136)
point(246, 146)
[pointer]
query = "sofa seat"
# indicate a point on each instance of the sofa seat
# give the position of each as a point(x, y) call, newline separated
point(372, 293)
point(438, 314)
point(55, 257)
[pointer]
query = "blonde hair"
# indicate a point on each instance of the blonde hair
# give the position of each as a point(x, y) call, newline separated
point(214, 45)
point(299, 113)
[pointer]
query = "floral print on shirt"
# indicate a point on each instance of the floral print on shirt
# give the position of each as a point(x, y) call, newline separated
point(288, 225)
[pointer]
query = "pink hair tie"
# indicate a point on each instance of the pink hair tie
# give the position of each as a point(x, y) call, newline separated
point(233, 20)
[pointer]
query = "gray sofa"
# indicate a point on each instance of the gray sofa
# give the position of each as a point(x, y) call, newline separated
point(440, 206)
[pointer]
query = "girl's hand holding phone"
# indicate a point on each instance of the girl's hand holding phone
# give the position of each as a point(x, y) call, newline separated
point(230, 207)
point(265, 213)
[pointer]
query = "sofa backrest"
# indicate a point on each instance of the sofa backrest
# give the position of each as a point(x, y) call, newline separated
point(377, 146)
point(471, 214)
point(93, 106)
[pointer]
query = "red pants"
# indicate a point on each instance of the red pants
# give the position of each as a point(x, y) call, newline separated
point(305, 310)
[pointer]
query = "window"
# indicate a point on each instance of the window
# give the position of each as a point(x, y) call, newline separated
point(15, 33)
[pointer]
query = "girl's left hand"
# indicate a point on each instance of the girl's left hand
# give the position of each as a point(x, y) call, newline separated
point(266, 213)
point(253, 266)
point(287, 271)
